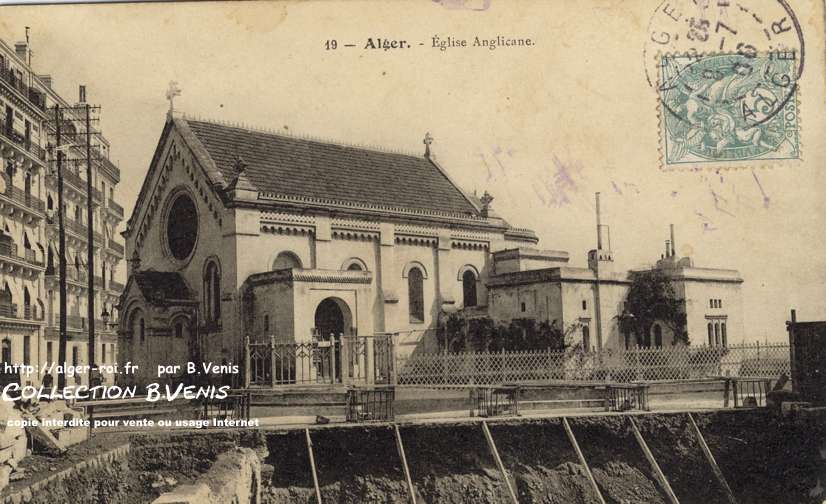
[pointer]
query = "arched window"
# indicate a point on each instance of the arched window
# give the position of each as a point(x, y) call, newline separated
point(415, 295)
point(179, 329)
point(717, 334)
point(710, 335)
point(27, 303)
point(354, 266)
point(142, 329)
point(27, 184)
point(286, 260)
point(49, 202)
point(723, 334)
point(658, 335)
point(212, 292)
point(5, 353)
point(646, 340)
point(469, 288)
point(586, 338)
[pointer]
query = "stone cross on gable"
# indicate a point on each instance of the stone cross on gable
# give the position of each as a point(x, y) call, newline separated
point(171, 93)
point(428, 139)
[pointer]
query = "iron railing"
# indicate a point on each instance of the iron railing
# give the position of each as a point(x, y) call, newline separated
point(342, 359)
point(115, 246)
point(10, 249)
point(639, 364)
point(22, 197)
point(8, 310)
point(115, 207)
point(35, 96)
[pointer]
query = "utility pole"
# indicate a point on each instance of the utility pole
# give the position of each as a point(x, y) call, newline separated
point(90, 252)
point(61, 377)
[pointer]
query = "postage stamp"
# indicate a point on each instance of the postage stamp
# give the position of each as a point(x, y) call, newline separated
point(726, 75)
point(728, 108)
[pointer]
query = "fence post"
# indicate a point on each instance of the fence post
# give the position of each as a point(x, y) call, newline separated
point(502, 358)
point(759, 367)
point(333, 358)
point(272, 360)
point(247, 366)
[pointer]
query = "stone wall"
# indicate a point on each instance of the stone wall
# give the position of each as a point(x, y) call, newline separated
point(234, 478)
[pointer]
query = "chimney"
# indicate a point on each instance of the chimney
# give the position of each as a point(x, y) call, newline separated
point(82, 94)
point(673, 242)
point(667, 248)
point(22, 49)
point(46, 79)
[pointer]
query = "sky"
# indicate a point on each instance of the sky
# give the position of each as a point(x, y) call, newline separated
point(542, 128)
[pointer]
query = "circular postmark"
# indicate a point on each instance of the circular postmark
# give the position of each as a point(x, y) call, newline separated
point(698, 27)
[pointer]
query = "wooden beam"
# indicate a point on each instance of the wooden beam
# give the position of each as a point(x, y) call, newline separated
point(713, 463)
point(400, 447)
point(495, 453)
point(654, 465)
point(312, 466)
point(582, 460)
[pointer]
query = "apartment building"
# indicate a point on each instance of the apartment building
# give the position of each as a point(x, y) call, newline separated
point(29, 234)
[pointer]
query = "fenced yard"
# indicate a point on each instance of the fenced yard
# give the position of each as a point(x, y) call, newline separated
point(639, 364)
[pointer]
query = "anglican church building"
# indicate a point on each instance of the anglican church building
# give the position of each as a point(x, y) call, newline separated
point(244, 234)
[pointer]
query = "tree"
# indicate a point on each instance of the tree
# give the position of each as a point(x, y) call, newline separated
point(651, 298)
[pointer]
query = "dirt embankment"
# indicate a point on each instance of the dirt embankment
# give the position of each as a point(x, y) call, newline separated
point(675, 446)
point(616, 460)
point(542, 463)
point(354, 465)
point(452, 465)
point(766, 459)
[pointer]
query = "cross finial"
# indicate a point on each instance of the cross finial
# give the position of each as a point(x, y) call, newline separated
point(428, 139)
point(486, 199)
point(171, 93)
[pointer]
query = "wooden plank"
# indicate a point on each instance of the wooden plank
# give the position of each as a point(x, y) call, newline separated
point(312, 466)
point(713, 463)
point(495, 453)
point(400, 447)
point(582, 460)
point(654, 465)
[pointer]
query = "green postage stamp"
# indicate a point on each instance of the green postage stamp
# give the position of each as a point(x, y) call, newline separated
point(728, 109)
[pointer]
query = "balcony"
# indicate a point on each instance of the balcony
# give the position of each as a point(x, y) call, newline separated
point(10, 250)
point(115, 208)
point(24, 143)
point(10, 310)
point(116, 286)
point(27, 200)
point(115, 247)
point(34, 96)
point(72, 177)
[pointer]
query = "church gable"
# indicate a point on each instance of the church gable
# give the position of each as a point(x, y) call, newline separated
point(176, 170)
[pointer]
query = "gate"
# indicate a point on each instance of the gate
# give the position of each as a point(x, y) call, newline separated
point(808, 359)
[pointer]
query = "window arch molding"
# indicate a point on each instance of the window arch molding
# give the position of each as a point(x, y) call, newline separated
point(467, 267)
point(285, 259)
point(414, 264)
point(352, 262)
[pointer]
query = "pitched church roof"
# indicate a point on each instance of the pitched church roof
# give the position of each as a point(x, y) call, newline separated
point(304, 168)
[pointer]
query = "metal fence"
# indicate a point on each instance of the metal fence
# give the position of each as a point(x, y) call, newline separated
point(638, 364)
point(335, 360)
